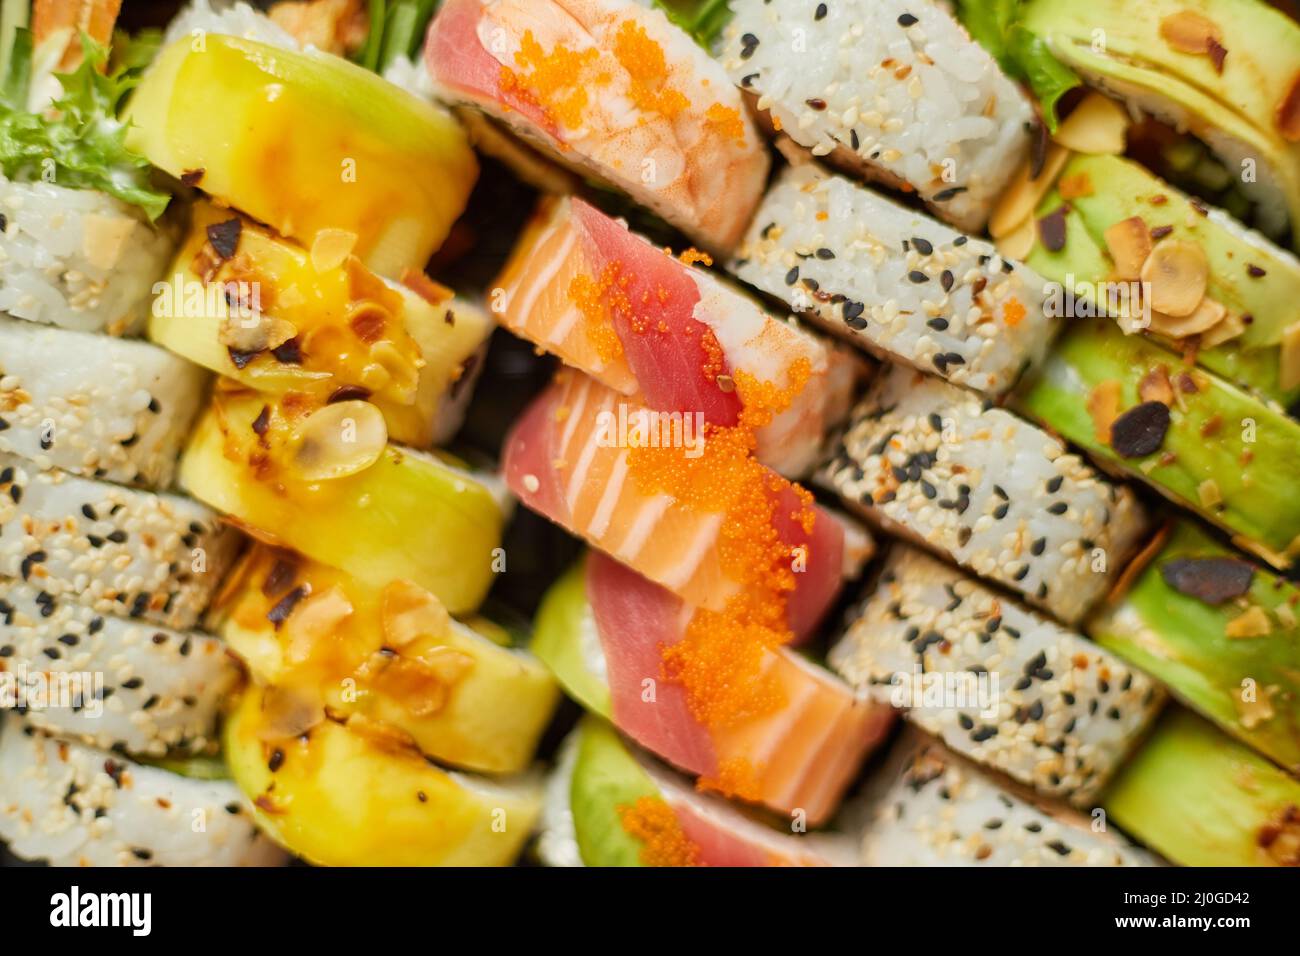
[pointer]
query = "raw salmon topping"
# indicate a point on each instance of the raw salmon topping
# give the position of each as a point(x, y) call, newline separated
point(652, 821)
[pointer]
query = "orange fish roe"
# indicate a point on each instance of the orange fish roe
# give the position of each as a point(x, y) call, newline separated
point(726, 120)
point(690, 255)
point(594, 298)
point(551, 81)
point(652, 821)
point(735, 778)
point(1013, 312)
point(647, 70)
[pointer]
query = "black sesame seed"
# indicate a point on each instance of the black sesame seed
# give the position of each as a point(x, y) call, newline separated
point(906, 20)
point(918, 276)
point(792, 276)
point(922, 246)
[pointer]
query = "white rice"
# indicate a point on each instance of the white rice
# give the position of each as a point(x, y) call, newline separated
point(1039, 703)
point(557, 837)
point(929, 807)
point(996, 494)
point(141, 689)
point(75, 806)
point(147, 556)
point(922, 105)
point(894, 281)
point(101, 407)
point(226, 18)
point(77, 258)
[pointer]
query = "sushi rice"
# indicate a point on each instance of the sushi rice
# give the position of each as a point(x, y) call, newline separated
point(144, 689)
point(105, 408)
point(144, 555)
point(73, 805)
point(1057, 712)
point(895, 282)
point(999, 496)
point(892, 90)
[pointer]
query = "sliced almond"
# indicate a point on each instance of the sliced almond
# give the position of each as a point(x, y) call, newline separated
point(1253, 622)
point(1206, 316)
point(1075, 186)
point(1287, 115)
point(331, 248)
point(411, 613)
point(289, 712)
point(1156, 387)
point(1019, 242)
point(1231, 326)
point(1023, 194)
point(1289, 357)
point(1103, 406)
point(1190, 32)
point(1177, 273)
point(338, 440)
point(1129, 244)
point(1098, 126)
point(103, 239)
point(1209, 494)
point(315, 622)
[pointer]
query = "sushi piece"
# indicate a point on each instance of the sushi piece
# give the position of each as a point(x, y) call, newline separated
point(351, 794)
point(1201, 442)
point(142, 555)
point(76, 258)
point(325, 482)
point(930, 807)
point(1126, 244)
point(614, 90)
point(671, 337)
point(391, 654)
point(894, 281)
point(1202, 799)
point(104, 408)
point(274, 317)
point(284, 129)
point(753, 719)
point(999, 684)
point(111, 682)
point(997, 495)
point(687, 507)
point(890, 90)
point(1220, 632)
point(609, 804)
point(1223, 70)
point(72, 805)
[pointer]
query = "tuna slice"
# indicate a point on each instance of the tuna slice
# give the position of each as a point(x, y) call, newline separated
point(629, 314)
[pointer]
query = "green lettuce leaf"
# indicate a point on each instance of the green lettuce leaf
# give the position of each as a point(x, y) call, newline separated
point(79, 142)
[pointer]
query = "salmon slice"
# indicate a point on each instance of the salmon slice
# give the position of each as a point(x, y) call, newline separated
point(798, 754)
point(614, 90)
point(65, 20)
point(605, 300)
point(563, 460)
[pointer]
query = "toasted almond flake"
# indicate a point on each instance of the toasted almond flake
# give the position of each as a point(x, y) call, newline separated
point(410, 613)
point(1103, 407)
point(315, 621)
point(1019, 242)
point(1155, 386)
point(1289, 357)
point(1253, 622)
point(1285, 615)
point(330, 248)
point(103, 238)
point(1023, 194)
point(1190, 32)
point(1229, 328)
point(1098, 126)
point(1205, 317)
point(434, 293)
point(1129, 244)
point(1287, 115)
point(1209, 494)
point(1177, 272)
point(338, 440)
point(1075, 186)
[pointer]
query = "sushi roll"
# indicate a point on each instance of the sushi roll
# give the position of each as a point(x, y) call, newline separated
point(670, 336)
point(274, 317)
point(71, 805)
point(998, 684)
point(754, 721)
point(287, 128)
point(930, 807)
point(997, 495)
point(614, 90)
point(609, 804)
point(895, 282)
point(691, 511)
point(324, 481)
point(95, 406)
point(111, 682)
point(138, 554)
point(1115, 239)
point(1222, 70)
point(890, 90)
point(1220, 632)
point(392, 655)
point(1202, 799)
point(350, 793)
point(1200, 441)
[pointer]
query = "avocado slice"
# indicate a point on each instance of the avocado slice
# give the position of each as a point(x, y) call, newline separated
point(1215, 449)
point(566, 640)
point(606, 777)
point(1176, 623)
point(1224, 70)
point(1247, 274)
point(1202, 799)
